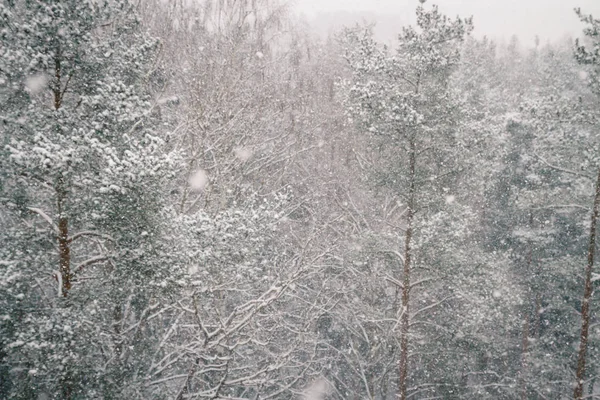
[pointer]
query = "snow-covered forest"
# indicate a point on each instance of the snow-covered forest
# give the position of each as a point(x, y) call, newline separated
point(204, 199)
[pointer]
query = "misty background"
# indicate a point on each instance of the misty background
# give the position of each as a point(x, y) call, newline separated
point(498, 19)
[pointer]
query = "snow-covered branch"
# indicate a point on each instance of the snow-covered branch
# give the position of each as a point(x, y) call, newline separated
point(90, 233)
point(94, 260)
point(45, 216)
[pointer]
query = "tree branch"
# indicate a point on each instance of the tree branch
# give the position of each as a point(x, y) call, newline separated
point(88, 262)
point(42, 214)
point(89, 233)
point(566, 171)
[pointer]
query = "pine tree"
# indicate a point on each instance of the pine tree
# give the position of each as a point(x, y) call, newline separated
point(83, 176)
point(587, 56)
point(404, 98)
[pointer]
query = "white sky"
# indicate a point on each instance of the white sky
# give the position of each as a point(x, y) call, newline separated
point(550, 19)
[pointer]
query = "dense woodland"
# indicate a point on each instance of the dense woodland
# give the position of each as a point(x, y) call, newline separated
point(204, 200)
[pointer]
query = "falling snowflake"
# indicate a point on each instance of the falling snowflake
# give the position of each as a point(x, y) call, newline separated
point(36, 83)
point(242, 154)
point(199, 180)
point(317, 390)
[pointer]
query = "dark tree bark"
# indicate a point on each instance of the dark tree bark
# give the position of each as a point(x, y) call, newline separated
point(64, 249)
point(404, 318)
point(587, 296)
point(64, 252)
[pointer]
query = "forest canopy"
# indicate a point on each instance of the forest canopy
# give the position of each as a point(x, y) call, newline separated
point(206, 200)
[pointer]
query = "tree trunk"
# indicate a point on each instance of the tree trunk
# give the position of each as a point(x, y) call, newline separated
point(64, 247)
point(525, 339)
point(524, 351)
point(538, 304)
point(587, 295)
point(404, 318)
point(64, 250)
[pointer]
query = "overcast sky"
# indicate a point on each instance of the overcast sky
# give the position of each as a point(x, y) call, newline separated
point(550, 19)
